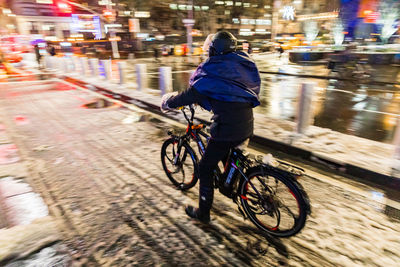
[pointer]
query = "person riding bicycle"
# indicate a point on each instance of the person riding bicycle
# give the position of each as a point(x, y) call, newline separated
point(228, 84)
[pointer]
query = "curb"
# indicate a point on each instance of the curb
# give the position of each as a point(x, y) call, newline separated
point(344, 168)
point(349, 169)
point(323, 77)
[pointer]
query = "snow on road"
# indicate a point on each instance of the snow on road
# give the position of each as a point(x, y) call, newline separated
point(99, 172)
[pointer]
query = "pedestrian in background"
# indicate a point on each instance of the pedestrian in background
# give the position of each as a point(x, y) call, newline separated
point(156, 53)
point(38, 55)
point(52, 50)
point(83, 50)
point(280, 50)
point(250, 49)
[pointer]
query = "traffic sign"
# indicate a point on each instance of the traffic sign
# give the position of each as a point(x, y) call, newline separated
point(188, 22)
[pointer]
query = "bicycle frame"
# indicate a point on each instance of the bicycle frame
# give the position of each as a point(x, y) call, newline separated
point(193, 132)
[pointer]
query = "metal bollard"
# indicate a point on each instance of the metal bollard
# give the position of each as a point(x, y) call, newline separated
point(72, 64)
point(84, 66)
point(396, 142)
point(141, 70)
point(107, 68)
point(64, 65)
point(94, 66)
point(165, 80)
point(77, 65)
point(46, 62)
point(60, 64)
point(304, 107)
point(68, 65)
point(54, 63)
point(122, 71)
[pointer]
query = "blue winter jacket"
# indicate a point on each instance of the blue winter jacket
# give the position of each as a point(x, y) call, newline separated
point(228, 86)
point(232, 77)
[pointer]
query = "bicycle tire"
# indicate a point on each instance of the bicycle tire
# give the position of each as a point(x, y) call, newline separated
point(168, 156)
point(273, 206)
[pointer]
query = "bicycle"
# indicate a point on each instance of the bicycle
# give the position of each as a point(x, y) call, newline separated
point(256, 187)
point(356, 70)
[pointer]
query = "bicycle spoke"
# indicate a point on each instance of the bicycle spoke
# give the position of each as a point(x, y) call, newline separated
point(183, 175)
point(170, 159)
point(252, 194)
point(270, 204)
point(290, 212)
point(176, 170)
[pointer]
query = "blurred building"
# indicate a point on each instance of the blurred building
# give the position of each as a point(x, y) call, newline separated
point(252, 19)
point(165, 18)
point(39, 17)
point(160, 19)
point(290, 16)
point(48, 19)
point(7, 21)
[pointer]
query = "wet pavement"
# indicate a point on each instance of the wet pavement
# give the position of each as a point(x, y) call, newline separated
point(355, 108)
point(99, 172)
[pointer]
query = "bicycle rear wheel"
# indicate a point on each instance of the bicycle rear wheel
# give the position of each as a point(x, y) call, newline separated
point(181, 169)
point(281, 210)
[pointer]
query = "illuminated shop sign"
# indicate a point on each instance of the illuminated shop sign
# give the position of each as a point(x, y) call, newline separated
point(142, 14)
point(86, 23)
point(319, 16)
point(288, 12)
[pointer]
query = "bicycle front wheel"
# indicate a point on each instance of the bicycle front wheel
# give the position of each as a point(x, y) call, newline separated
point(273, 203)
point(181, 169)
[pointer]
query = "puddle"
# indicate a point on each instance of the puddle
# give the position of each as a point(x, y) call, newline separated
point(99, 103)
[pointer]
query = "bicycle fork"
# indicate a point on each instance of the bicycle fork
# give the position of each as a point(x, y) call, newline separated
point(178, 152)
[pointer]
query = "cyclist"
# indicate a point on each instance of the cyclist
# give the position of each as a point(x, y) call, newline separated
point(228, 84)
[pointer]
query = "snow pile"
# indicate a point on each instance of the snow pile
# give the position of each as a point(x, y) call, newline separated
point(22, 240)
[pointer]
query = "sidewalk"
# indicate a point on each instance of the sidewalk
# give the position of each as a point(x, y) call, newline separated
point(355, 156)
point(28, 235)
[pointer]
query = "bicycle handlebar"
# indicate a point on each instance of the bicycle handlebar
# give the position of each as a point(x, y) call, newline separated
point(191, 111)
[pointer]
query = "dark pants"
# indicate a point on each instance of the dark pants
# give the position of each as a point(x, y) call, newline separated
point(216, 151)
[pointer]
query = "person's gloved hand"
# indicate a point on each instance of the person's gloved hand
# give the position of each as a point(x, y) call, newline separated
point(164, 106)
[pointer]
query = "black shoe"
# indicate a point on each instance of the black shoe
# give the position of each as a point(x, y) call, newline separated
point(196, 214)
